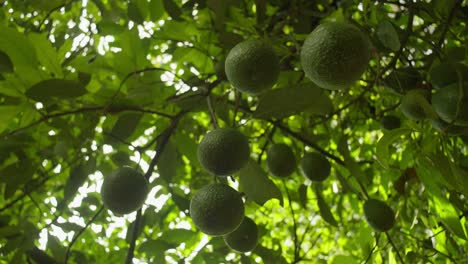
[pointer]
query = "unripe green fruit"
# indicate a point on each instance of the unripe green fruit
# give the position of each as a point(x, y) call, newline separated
point(223, 151)
point(379, 215)
point(217, 209)
point(124, 190)
point(252, 66)
point(451, 103)
point(315, 167)
point(335, 55)
point(244, 238)
point(281, 161)
point(390, 122)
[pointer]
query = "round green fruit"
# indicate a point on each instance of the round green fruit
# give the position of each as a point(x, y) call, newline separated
point(390, 122)
point(124, 190)
point(335, 55)
point(451, 104)
point(252, 66)
point(244, 238)
point(217, 209)
point(415, 106)
point(223, 151)
point(315, 167)
point(280, 161)
point(379, 215)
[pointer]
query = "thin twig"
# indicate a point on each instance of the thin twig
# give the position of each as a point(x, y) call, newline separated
point(296, 242)
point(214, 121)
point(394, 247)
point(77, 235)
point(163, 140)
point(373, 248)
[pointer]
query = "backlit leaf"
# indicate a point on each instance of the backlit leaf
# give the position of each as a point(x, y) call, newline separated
point(390, 136)
point(255, 183)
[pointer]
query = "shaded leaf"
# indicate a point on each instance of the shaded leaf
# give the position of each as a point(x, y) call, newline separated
point(59, 88)
point(172, 9)
point(167, 164)
point(269, 255)
point(284, 102)
point(303, 195)
point(125, 125)
point(154, 247)
point(325, 211)
point(78, 176)
point(6, 65)
point(255, 183)
point(388, 35)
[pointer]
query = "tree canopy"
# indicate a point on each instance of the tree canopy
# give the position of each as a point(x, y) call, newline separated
point(90, 86)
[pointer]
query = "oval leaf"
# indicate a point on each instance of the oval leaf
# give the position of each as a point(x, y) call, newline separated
point(325, 211)
point(284, 102)
point(256, 185)
point(58, 88)
point(125, 125)
point(388, 35)
point(388, 138)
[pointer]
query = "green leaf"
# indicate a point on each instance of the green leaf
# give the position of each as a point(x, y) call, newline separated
point(46, 5)
point(134, 13)
point(58, 88)
point(172, 9)
point(325, 211)
point(156, 9)
point(449, 216)
point(269, 255)
point(21, 52)
point(284, 102)
point(125, 125)
point(388, 35)
point(154, 247)
point(178, 236)
point(46, 54)
point(7, 114)
point(78, 176)
point(390, 136)
point(343, 259)
point(256, 185)
point(167, 164)
point(303, 195)
point(6, 65)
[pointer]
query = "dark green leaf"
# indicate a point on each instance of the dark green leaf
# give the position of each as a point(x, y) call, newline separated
point(6, 65)
point(172, 9)
point(167, 164)
point(256, 185)
point(388, 35)
point(325, 211)
point(78, 175)
point(58, 88)
point(284, 102)
point(303, 195)
point(156, 9)
point(126, 124)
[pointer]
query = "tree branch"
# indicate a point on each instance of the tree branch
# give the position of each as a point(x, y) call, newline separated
point(77, 235)
point(163, 140)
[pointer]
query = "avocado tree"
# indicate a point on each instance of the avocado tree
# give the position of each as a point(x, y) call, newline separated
point(209, 131)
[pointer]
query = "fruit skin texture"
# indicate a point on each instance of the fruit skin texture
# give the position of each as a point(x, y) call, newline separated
point(124, 190)
point(315, 167)
point(449, 101)
point(280, 161)
point(223, 151)
point(379, 215)
point(415, 106)
point(390, 122)
point(252, 66)
point(244, 238)
point(335, 55)
point(217, 209)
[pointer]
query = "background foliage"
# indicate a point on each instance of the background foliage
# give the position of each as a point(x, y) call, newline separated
point(88, 86)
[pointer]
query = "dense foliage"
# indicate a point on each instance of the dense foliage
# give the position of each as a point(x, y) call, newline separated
point(89, 86)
